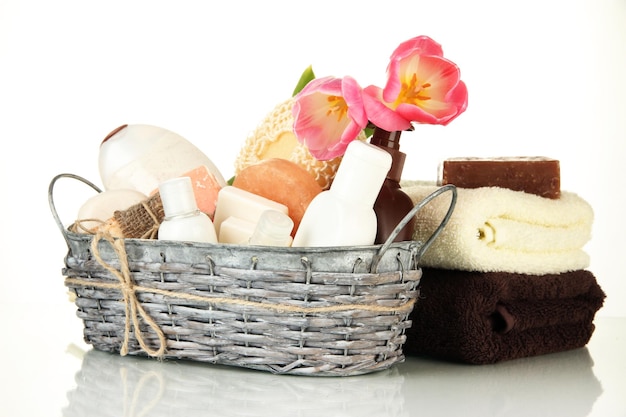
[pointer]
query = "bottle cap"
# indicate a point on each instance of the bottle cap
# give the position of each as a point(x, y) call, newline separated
point(177, 197)
point(361, 173)
point(273, 229)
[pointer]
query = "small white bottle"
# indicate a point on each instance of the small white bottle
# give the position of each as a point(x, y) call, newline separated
point(344, 214)
point(273, 229)
point(183, 221)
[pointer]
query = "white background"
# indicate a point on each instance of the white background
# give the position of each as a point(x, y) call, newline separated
point(544, 78)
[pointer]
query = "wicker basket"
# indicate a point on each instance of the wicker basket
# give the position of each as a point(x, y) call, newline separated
point(308, 311)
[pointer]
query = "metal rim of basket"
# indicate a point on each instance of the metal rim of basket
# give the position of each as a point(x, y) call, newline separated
point(376, 259)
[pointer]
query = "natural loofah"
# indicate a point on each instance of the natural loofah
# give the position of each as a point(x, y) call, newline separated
point(274, 138)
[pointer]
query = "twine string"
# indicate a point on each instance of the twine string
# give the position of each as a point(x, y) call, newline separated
point(79, 225)
point(152, 232)
point(134, 310)
point(281, 308)
point(132, 307)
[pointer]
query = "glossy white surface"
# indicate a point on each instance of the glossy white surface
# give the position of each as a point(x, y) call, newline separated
point(53, 373)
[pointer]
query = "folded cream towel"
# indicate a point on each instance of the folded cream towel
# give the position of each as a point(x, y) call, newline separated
point(499, 230)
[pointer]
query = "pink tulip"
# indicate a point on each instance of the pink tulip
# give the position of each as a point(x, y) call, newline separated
point(422, 87)
point(328, 114)
point(380, 114)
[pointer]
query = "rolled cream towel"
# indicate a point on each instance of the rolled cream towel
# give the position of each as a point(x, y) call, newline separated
point(499, 230)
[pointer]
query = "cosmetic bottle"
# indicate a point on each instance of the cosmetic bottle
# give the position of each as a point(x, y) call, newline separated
point(344, 215)
point(392, 204)
point(183, 221)
point(273, 229)
point(140, 157)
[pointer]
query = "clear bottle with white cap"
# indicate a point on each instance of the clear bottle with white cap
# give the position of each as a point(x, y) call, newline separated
point(344, 214)
point(183, 221)
point(273, 229)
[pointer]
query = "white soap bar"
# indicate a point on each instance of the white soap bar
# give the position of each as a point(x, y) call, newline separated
point(102, 206)
point(242, 204)
point(236, 230)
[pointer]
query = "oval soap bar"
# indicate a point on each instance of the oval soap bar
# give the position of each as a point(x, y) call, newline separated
point(282, 181)
point(102, 206)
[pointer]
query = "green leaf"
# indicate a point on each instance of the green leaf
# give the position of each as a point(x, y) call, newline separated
point(305, 78)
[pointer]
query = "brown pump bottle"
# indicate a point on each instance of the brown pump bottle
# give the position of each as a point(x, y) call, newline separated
point(392, 204)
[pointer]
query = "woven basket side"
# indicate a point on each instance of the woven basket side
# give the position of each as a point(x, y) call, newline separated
point(280, 331)
point(400, 255)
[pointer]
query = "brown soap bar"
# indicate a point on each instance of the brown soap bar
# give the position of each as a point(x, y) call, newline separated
point(532, 174)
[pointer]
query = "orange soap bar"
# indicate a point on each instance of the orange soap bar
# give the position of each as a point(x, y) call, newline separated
point(282, 181)
point(205, 188)
point(531, 174)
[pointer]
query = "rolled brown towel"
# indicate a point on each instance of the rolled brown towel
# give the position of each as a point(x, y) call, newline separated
point(488, 317)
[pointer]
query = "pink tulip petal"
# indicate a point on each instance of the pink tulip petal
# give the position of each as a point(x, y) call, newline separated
point(329, 114)
point(424, 88)
point(437, 112)
point(394, 83)
point(353, 94)
point(380, 114)
point(420, 45)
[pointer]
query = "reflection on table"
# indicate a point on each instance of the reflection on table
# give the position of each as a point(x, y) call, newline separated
point(558, 384)
point(110, 385)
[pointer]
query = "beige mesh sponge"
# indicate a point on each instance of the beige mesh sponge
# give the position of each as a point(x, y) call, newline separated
point(274, 138)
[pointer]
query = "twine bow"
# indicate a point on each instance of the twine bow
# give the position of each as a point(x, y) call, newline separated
point(133, 307)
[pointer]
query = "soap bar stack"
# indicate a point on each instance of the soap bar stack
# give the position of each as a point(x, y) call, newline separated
point(507, 277)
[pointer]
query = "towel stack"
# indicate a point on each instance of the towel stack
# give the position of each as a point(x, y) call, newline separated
point(507, 277)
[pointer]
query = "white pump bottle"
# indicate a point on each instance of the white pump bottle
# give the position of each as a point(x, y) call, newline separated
point(344, 214)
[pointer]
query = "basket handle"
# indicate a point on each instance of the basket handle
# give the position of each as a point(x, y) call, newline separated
point(451, 188)
point(446, 188)
point(53, 209)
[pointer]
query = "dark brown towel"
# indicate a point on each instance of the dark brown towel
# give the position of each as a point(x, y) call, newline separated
point(480, 318)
